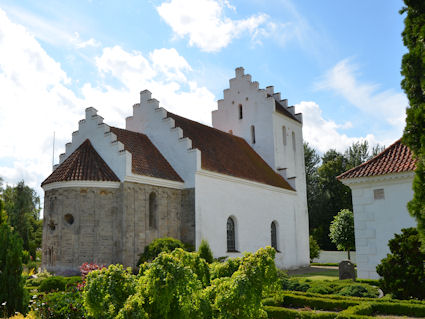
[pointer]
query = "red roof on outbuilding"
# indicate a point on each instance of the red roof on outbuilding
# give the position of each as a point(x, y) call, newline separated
point(396, 158)
point(84, 164)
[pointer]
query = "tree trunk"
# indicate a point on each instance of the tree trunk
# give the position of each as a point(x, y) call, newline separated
point(348, 251)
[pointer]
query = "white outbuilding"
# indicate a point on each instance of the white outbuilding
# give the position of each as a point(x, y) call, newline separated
point(239, 184)
point(381, 189)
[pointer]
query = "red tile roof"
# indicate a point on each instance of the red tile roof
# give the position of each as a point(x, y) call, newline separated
point(146, 158)
point(228, 154)
point(396, 158)
point(84, 164)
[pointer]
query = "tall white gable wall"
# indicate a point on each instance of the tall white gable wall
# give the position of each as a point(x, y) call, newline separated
point(150, 119)
point(104, 142)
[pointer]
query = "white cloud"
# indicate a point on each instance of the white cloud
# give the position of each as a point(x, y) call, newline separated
point(164, 73)
point(205, 23)
point(379, 104)
point(33, 99)
point(54, 32)
point(324, 134)
point(80, 44)
point(36, 100)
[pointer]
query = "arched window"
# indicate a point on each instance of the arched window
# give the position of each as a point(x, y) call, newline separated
point(252, 134)
point(284, 135)
point(274, 235)
point(152, 210)
point(231, 242)
point(240, 112)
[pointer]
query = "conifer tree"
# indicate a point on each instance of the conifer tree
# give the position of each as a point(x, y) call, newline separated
point(11, 281)
point(413, 84)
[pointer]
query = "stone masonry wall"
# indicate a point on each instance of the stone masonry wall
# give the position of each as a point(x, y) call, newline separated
point(80, 225)
point(107, 226)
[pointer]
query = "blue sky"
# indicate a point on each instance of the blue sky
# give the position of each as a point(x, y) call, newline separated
point(338, 62)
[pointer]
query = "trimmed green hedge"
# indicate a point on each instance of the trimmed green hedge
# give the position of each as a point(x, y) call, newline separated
point(343, 307)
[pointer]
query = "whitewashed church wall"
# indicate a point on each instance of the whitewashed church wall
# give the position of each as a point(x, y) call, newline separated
point(377, 220)
point(148, 118)
point(104, 142)
point(254, 207)
point(257, 110)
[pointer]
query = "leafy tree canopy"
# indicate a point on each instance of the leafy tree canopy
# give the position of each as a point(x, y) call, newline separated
point(342, 231)
point(413, 84)
point(22, 206)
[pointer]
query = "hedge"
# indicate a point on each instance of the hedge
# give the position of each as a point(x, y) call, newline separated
point(348, 307)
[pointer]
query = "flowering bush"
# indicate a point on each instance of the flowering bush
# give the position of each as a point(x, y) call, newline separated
point(85, 269)
point(60, 305)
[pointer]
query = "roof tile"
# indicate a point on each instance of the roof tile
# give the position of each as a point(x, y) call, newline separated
point(228, 154)
point(84, 164)
point(396, 158)
point(146, 158)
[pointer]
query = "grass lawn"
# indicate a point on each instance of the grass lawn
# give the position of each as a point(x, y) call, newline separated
point(323, 274)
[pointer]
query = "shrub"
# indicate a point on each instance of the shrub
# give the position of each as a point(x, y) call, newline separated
point(72, 282)
point(11, 281)
point(240, 295)
point(107, 289)
point(357, 290)
point(53, 283)
point(157, 246)
point(314, 249)
point(59, 305)
point(133, 308)
point(205, 252)
point(170, 286)
point(25, 257)
point(224, 269)
point(86, 268)
point(402, 271)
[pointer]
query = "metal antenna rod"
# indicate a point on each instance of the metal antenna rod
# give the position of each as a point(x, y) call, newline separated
point(53, 158)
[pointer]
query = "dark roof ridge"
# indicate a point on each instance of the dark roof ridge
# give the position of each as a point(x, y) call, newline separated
point(198, 123)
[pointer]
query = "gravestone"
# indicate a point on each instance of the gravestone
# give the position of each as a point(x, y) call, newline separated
point(346, 270)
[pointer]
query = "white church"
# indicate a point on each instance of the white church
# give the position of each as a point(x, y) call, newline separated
point(240, 184)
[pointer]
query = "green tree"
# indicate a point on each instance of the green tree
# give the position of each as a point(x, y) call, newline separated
point(22, 205)
point(171, 288)
point(157, 246)
point(312, 160)
point(402, 271)
point(357, 154)
point(334, 196)
point(107, 290)
point(341, 231)
point(11, 281)
point(205, 251)
point(413, 84)
point(239, 296)
point(314, 249)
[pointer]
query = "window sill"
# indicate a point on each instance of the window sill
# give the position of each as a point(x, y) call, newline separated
point(233, 251)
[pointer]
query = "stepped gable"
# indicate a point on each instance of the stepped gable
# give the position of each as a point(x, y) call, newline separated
point(228, 154)
point(283, 110)
point(84, 164)
point(396, 158)
point(146, 158)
